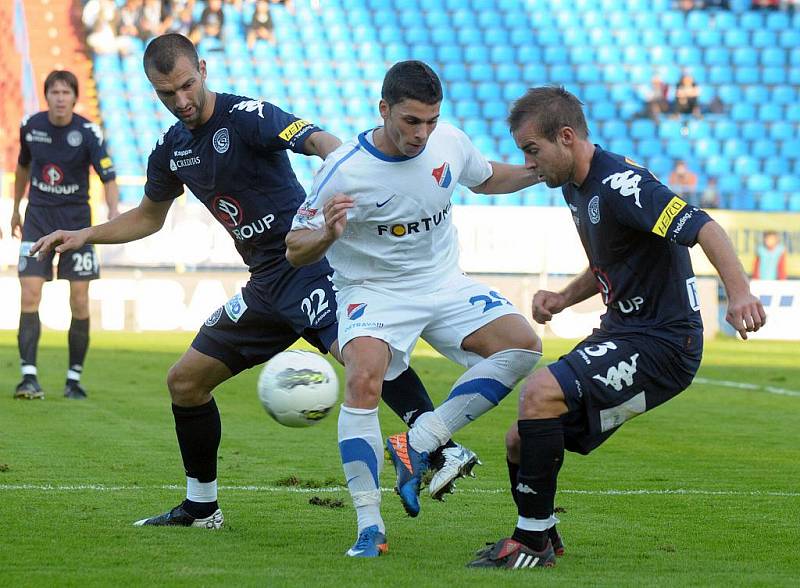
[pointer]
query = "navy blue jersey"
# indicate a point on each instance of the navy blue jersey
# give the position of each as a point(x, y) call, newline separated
point(60, 157)
point(236, 164)
point(636, 232)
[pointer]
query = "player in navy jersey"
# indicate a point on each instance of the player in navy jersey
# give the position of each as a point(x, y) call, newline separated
point(636, 233)
point(230, 151)
point(57, 147)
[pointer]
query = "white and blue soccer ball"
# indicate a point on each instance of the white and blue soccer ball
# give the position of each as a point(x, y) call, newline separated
point(298, 388)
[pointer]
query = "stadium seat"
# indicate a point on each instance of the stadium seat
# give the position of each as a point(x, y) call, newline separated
point(759, 183)
point(772, 200)
point(508, 72)
point(793, 204)
point(770, 112)
point(643, 129)
point(507, 199)
point(469, 36)
point(494, 37)
point(790, 148)
point(717, 56)
point(588, 73)
point(788, 183)
point(742, 200)
point(753, 130)
point(709, 38)
point(751, 20)
point(762, 39)
point(778, 21)
point(743, 111)
point(705, 148)
point(717, 166)
point(648, 148)
point(481, 72)
point(746, 165)
point(776, 166)
point(720, 74)
point(781, 131)
point(789, 39)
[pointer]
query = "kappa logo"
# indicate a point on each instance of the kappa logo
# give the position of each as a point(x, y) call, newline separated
point(409, 415)
point(626, 183)
point(356, 311)
point(619, 374)
point(74, 138)
point(221, 140)
point(227, 210)
point(95, 130)
point(442, 175)
point(525, 489)
point(249, 106)
point(52, 174)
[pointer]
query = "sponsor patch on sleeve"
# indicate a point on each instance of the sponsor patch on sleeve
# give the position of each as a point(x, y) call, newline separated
point(629, 161)
point(106, 163)
point(667, 215)
point(306, 212)
point(289, 132)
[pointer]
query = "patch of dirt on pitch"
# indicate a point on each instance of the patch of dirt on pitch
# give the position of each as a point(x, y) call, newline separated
point(294, 481)
point(4, 467)
point(326, 502)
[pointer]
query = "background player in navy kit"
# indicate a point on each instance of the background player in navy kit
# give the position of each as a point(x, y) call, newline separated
point(57, 147)
point(231, 152)
point(636, 233)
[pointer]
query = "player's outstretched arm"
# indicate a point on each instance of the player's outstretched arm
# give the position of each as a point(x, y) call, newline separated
point(546, 303)
point(745, 311)
point(306, 246)
point(506, 179)
point(139, 222)
point(321, 144)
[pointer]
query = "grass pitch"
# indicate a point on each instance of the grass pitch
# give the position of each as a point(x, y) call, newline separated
point(703, 491)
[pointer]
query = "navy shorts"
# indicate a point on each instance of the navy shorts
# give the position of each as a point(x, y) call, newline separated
point(608, 379)
point(78, 265)
point(256, 324)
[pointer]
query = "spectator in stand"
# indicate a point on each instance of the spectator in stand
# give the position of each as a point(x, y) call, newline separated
point(129, 16)
point(100, 19)
point(179, 20)
point(770, 263)
point(289, 5)
point(211, 22)
point(687, 96)
point(683, 181)
point(710, 196)
point(766, 4)
point(716, 106)
point(261, 27)
point(655, 97)
point(150, 20)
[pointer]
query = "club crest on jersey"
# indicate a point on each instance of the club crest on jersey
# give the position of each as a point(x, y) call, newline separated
point(356, 311)
point(594, 210)
point(52, 174)
point(74, 138)
point(227, 210)
point(221, 140)
point(442, 175)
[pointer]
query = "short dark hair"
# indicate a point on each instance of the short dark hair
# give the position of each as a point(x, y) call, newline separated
point(163, 51)
point(412, 80)
point(61, 75)
point(551, 108)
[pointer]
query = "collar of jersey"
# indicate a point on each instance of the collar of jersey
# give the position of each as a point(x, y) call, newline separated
point(364, 142)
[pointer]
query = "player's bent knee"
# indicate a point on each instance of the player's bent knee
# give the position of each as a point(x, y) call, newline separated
point(363, 389)
point(184, 389)
point(541, 397)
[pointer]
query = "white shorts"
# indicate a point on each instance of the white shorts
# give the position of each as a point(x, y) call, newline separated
point(443, 317)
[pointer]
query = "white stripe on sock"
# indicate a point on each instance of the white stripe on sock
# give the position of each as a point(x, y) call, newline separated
point(28, 370)
point(198, 491)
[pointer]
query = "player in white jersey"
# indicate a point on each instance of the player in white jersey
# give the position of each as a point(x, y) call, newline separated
point(380, 209)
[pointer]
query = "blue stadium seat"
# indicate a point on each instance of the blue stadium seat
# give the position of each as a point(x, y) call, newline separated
point(793, 204)
point(793, 113)
point(588, 73)
point(451, 54)
point(613, 74)
point(770, 112)
point(488, 91)
point(467, 109)
point(417, 35)
point(474, 54)
point(469, 36)
point(521, 36)
point(608, 54)
point(745, 165)
point(781, 131)
point(671, 129)
point(753, 130)
point(643, 129)
point(394, 52)
point(698, 20)
point(790, 148)
point(443, 36)
point(743, 111)
point(514, 90)
point(555, 55)
point(725, 129)
point(534, 197)
point(593, 93)
point(764, 148)
point(647, 148)
point(772, 200)
point(744, 56)
point(751, 20)
point(384, 17)
point(681, 38)
point(475, 127)
point(776, 166)
point(481, 72)
point(464, 18)
point(734, 148)
point(720, 74)
point(423, 52)
point(496, 36)
point(507, 199)
point(660, 166)
point(762, 39)
point(690, 57)
point(773, 75)
point(741, 200)
point(784, 95)
point(502, 54)
point(672, 19)
point(633, 55)
point(773, 57)
point(736, 37)
point(653, 37)
point(529, 55)
point(789, 39)
point(472, 199)
point(602, 111)
point(461, 91)
point(508, 72)
point(705, 148)
point(679, 149)
point(788, 183)
point(717, 56)
point(756, 94)
point(759, 183)
point(582, 54)
point(562, 74)
point(778, 21)
point(709, 38)
point(717, 166)
point(621, 146)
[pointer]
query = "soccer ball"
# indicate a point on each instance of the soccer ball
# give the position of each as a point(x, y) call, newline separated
point(298, 388)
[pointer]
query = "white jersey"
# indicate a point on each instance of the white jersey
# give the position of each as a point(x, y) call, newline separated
point(400, 231)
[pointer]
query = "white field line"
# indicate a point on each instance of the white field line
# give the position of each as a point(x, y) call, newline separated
point(747, 386)
point(331, 489)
